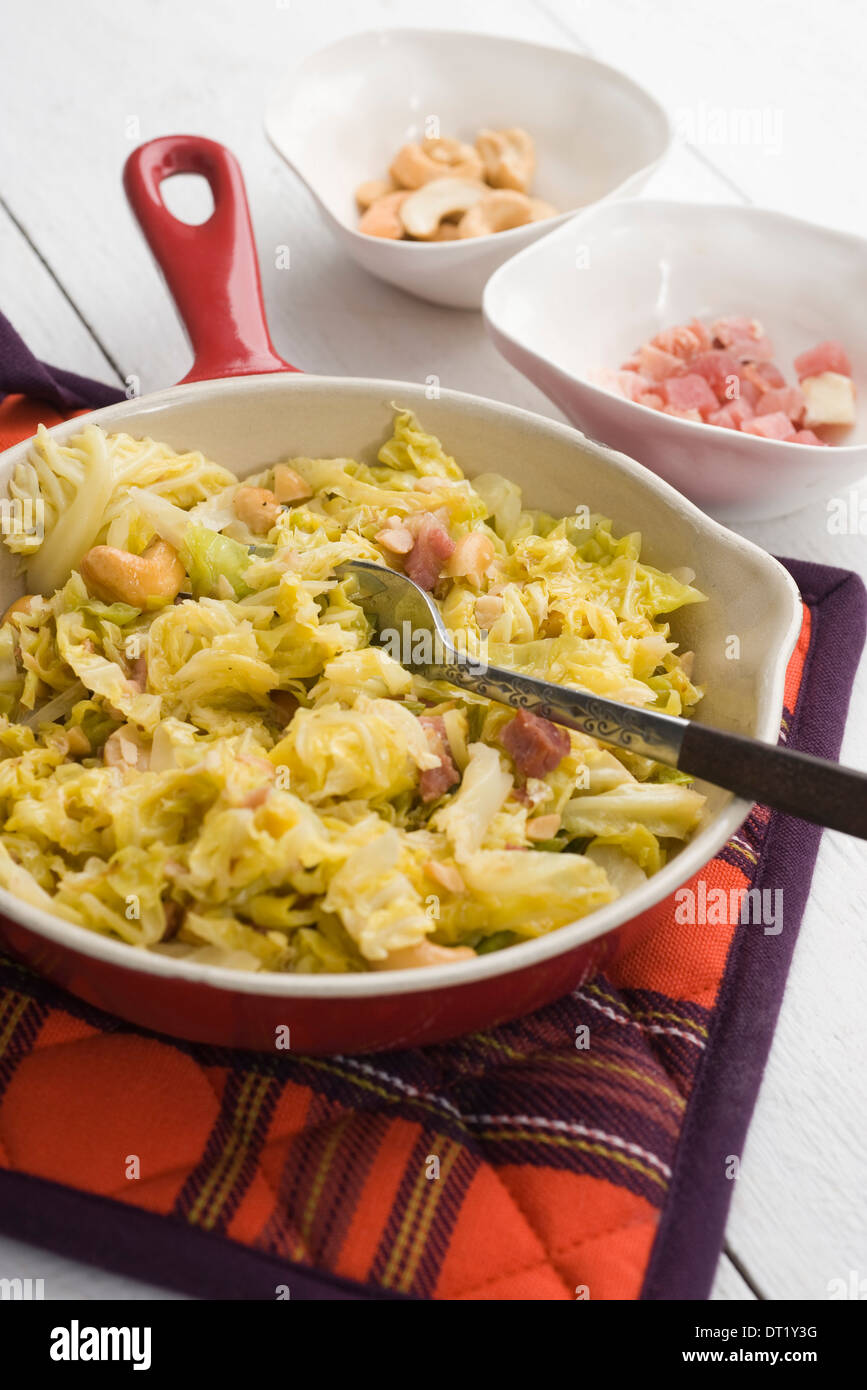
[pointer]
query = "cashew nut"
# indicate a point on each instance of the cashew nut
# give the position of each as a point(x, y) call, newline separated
point(395, 538)
point(289, 486)
point(126, 748)
point(543, 827)
point(452, 153)
point(425, 209)
point(415, 165)
point(257, 508)
point(502, 162)
point(509, 158)
point(423, 954)
point(24, 604)
point(488, 608)
point(541, 210)
point(383, 217)
point(471, 557)
point(446, 875)
point(368, 192)
point(144, 581)
point(498, 211)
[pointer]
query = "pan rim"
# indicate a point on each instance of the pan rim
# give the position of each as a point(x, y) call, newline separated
point(695, 854)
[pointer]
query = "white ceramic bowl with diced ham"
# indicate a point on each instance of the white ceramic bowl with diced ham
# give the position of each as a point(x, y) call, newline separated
point(611, 279)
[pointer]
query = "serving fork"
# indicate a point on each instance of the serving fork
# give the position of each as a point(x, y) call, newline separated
point(797, 784)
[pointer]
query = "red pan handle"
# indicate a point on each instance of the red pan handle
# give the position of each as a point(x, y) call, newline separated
point(211, 270)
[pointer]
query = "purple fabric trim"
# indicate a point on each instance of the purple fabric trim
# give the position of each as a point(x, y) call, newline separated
point(21, 372)
point(690, 1233)
point(158, 1249)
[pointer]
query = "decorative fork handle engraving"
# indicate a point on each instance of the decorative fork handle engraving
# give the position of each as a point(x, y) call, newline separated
point(652, 735)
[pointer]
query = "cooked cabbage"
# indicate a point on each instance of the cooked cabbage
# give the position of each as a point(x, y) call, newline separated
point(80, 487)
point(240, 778)
point(467, 816)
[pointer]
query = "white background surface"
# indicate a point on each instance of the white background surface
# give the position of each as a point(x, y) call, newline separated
point(81, 85)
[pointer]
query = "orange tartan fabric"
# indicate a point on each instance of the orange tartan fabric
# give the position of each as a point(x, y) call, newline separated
point(507, 1165)
point(325, 1161)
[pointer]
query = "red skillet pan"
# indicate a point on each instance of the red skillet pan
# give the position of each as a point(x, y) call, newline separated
point(243, 405)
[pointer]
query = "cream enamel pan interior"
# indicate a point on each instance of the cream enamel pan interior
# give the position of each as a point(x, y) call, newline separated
point(246, 423)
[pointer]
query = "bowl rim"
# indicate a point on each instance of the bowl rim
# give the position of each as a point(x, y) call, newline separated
point(373, 984)
point(277, 101)
point(605, 207)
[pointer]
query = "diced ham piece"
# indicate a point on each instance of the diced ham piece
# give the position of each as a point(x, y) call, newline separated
point(825, 357)
point(726, 376)
point(436, 780)
point(753, 350)
point(653, 362)
point(690, 392)
point(741, 409)
point(808, 437)
point(705, 342)
point(768, 375)
point(731, 416)
point(433, 546)
point(788, 399)
point(760, 377)
point(747, 390)
point(744, 338)
point(719, 369)
point(681, 342)
point(623, 383)
point(736, 329)
point(633, 385)
point(776, 426)
point(535, 745)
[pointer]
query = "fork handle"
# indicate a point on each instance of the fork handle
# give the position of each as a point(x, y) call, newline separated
point(795, 783)
point(812, 788)
point(653, 735)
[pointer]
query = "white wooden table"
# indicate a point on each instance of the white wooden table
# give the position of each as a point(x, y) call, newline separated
point(81, 85)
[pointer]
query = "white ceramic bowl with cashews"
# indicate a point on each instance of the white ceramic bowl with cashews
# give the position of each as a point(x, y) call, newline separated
point(341, 118)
